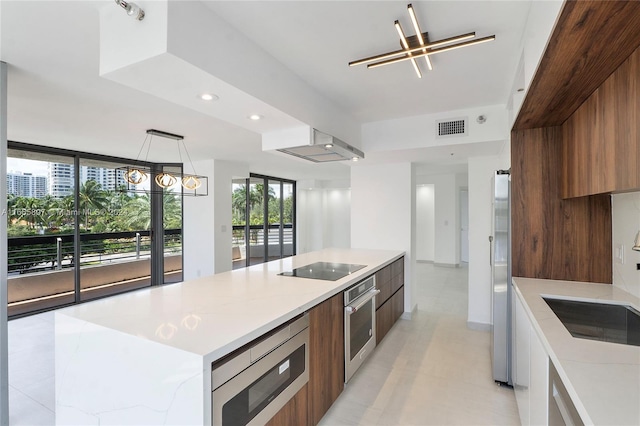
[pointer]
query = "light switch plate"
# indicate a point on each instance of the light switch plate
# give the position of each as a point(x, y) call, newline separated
point(620, 254)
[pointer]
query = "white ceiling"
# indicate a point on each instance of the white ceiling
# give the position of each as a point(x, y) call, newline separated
point(57, 98)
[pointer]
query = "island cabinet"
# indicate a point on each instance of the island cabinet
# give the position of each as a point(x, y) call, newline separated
point(294, 412)
point(326, 356)
point(390, 300)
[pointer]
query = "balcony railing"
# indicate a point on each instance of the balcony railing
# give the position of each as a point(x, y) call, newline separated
point(41, 274)
point(256, 234)
point(54, 252)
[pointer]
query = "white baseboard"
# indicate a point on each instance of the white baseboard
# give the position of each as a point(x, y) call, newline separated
point(424, 261)
point(407, 315)
point(447, 265)
point(478, 326)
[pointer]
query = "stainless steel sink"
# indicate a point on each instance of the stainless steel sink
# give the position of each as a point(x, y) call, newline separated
point(598, 321)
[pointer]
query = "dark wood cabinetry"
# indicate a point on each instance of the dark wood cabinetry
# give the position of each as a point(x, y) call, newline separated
point(577, 139)
point(326, 356)
point(553, 238)
point(390, 300)
point(294, 412)
point(601, 140)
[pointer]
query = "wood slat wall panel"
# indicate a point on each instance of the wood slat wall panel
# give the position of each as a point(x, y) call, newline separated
point(554, 238)
point(590, 41)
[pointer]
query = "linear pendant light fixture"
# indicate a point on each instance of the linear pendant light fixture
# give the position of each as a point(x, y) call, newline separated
point(137, 176)
point(419, 46)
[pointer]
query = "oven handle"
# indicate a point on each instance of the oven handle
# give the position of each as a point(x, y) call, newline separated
point(370, 295)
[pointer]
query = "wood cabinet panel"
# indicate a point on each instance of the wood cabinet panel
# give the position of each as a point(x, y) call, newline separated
point(554, 238)
point(384, 320)
point(397, 282)
point(601, 139)
point(326, 356)
point(294, 413)
point(383, 283)
point(388, 280)
point(397, 267)
point(590, 41)
point(388, 314)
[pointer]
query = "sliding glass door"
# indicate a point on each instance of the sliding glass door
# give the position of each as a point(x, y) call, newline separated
point(263, 220)
point(75, 233)
point(41, 221)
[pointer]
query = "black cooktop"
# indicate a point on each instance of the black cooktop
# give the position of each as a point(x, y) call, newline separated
point(323, 271)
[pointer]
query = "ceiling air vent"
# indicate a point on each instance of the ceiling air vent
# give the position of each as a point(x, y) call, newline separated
point(455, 127)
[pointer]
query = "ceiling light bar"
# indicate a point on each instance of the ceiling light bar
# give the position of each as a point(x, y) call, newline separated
point(403, 39)
point(433, 51)
point(415, 49)
point(416, 27)
point(168, 135)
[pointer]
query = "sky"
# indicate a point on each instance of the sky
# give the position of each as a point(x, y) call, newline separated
point(37, 168)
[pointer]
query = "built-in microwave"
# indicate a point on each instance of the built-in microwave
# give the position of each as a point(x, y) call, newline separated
point(251, 387)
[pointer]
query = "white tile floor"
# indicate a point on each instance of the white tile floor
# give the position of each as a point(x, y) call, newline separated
point(431, 370)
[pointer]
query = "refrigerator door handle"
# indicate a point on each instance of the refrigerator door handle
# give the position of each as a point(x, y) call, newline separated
point(490, 248)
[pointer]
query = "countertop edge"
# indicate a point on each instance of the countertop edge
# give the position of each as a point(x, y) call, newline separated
point(266, 328)
point(604, 293)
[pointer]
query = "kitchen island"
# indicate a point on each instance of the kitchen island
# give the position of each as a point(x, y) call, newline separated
point(601, 378)
point(145, 357)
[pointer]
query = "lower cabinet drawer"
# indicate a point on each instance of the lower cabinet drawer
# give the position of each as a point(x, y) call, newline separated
point(388, 313)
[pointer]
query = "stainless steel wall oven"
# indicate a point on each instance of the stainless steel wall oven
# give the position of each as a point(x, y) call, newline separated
point(359, 324)
point(251, 387)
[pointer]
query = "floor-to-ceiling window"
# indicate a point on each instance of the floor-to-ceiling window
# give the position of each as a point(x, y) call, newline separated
point(75, 233)
point(40, 230)
point(263, 220)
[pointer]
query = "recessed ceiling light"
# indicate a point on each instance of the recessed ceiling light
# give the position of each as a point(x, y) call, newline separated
point(355, 159)
point(208, 97)
point(328, 145)
point(255, 117)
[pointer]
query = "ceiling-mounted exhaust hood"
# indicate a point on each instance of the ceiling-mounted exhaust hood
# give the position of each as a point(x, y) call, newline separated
point(324, 148)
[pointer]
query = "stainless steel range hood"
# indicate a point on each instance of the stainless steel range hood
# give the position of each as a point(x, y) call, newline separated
point(324, 148)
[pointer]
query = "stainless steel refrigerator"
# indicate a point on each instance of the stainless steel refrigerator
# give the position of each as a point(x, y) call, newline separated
point(500, 259)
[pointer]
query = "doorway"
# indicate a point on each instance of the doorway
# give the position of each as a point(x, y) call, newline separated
point(263, 217)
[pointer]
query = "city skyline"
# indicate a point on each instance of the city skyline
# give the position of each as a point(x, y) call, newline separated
point(27, 178)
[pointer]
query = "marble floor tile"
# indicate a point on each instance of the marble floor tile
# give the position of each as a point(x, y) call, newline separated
point(430, 370)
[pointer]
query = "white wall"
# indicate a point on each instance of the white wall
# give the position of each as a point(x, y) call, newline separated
point(337, 218)
point(309, 206)
point(4, 341)
point(540, 23)
point(323, 213)
point(383, 214)
point(481, 170)
point(420, 131)
point(425, 225)
point(626, 223)
point(207, 221)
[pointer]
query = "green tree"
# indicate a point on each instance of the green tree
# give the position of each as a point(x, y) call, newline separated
point(28, 209)
point(92, 197)
point(172, 210)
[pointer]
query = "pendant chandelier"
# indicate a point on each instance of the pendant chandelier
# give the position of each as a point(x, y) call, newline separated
point(137, 178)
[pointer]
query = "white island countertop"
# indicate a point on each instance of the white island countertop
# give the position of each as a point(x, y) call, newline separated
point(602, 378)
point(151, 350)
